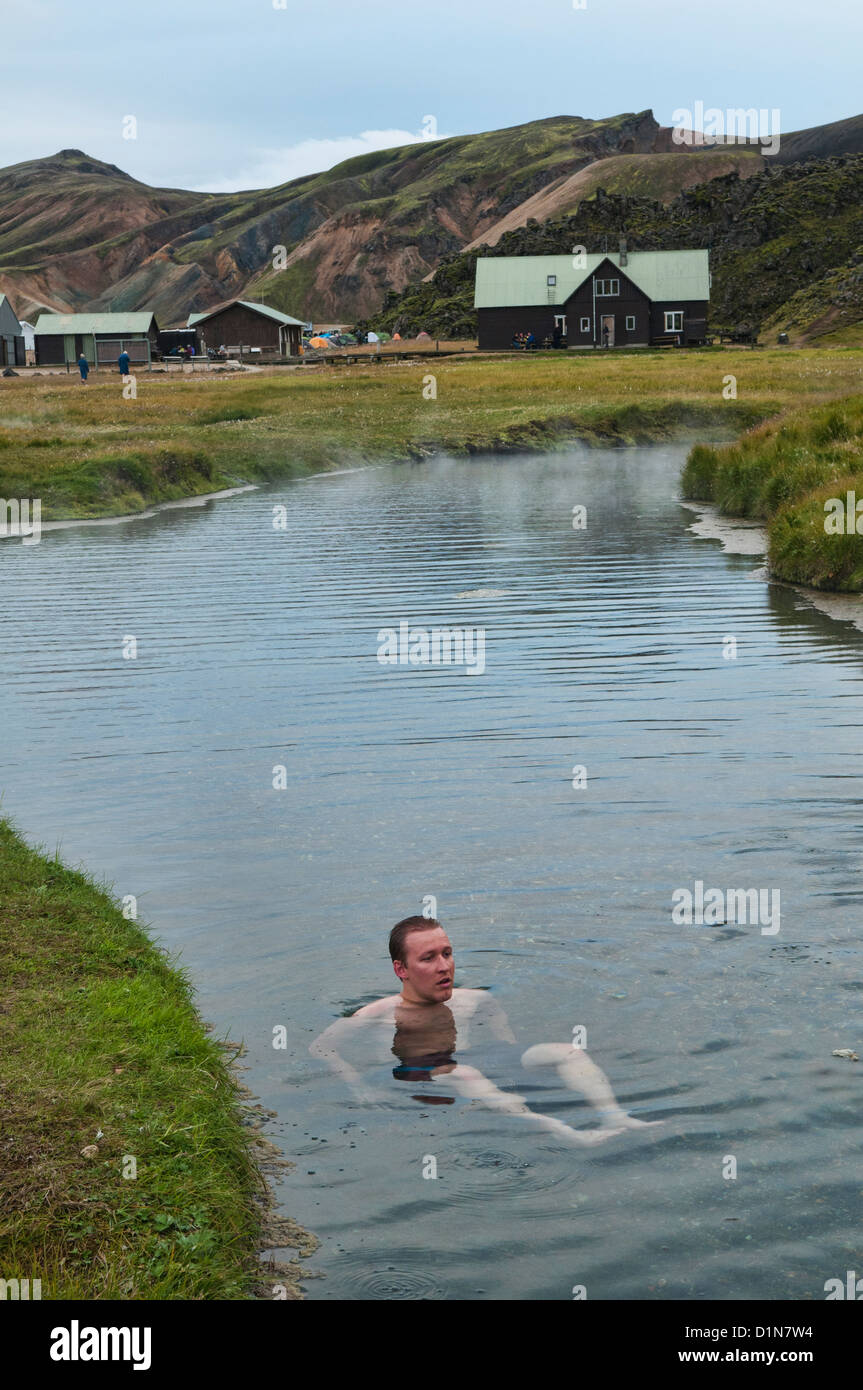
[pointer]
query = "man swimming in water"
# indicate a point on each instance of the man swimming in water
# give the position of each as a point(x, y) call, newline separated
point(430, 1015)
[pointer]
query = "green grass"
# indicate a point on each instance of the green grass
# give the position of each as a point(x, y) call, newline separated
point(87, 452)
point(98, 1032)
point(782, 473)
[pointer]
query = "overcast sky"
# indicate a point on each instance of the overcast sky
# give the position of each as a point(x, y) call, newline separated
point(233, 94)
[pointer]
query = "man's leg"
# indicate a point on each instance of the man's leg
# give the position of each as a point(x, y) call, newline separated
point(579, 1073)
point(470, 1083)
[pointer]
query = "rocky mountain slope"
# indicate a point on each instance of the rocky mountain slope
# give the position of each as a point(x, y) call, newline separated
point(783, 245)
point(76, 233)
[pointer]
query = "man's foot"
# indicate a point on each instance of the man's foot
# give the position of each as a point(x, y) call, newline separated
point(590, 1137)
point(601, 1134)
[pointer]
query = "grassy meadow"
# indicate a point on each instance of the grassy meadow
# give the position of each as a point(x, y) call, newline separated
point(88, 452)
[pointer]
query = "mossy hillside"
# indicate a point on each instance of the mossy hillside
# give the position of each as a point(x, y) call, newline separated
point(401, 189)
point(830, 305)
point(769, 236)
point(662, 177)
point(425, 198)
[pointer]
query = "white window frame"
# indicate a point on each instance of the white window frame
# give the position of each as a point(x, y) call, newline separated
point(585, 325)
point(630, 323)
point(560, 322)
point(602, 292)
point(670, 316)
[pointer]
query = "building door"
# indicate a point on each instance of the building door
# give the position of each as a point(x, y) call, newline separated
point(607, 330)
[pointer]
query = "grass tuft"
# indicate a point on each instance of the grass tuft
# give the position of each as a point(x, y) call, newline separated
point(783, 473)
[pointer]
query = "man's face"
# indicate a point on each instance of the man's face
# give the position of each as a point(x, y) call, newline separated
point(428, 970)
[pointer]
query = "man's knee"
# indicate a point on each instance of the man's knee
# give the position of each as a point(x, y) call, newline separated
point(465, 1073)
point(547, 1055)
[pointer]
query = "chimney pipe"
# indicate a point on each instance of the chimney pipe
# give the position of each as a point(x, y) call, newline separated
point(623, 257)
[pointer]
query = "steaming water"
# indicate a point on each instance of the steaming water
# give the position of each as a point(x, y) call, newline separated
point(604, 648)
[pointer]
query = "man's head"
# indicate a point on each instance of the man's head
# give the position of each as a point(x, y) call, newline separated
point(423, 960)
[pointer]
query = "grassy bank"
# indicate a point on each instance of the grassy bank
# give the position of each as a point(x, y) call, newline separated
point(85, 451)
point(783, 473)
point(105, 1069)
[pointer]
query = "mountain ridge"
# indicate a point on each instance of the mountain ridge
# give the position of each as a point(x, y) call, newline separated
point(79, 234)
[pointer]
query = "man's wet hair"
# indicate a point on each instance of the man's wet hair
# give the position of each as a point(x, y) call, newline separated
point(402, 930)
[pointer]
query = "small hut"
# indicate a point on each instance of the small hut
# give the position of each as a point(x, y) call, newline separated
point(11, 336)
point(61, 338)
point(242, 326)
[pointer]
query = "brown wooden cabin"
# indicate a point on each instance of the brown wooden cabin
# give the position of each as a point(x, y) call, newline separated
point(614, 299)
point(241, 325)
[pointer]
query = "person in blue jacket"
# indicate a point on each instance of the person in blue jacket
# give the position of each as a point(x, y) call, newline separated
point(83, 368)
point(123, 363)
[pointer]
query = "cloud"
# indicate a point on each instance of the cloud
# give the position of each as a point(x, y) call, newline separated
point(270, 167)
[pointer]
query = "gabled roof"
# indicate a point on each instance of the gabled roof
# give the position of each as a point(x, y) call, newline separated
point(136, 322)
point(9, 317)
point(263, 309)
point(515, 280)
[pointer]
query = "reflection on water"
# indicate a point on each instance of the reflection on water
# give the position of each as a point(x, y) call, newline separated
point(603, 651)
point(424, 1033)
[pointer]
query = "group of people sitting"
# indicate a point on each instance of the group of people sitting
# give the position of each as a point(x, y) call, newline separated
point(528, 340)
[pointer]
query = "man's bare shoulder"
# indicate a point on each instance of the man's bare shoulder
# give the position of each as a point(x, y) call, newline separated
point(467, 999)
point(381, 1008)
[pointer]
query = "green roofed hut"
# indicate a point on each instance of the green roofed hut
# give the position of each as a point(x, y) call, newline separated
point(243, 326)
point(594, 300)
point(61, 338)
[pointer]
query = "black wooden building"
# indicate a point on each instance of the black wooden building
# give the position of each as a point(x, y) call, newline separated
point(594, 299)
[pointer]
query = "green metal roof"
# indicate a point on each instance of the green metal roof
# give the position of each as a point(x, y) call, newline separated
point(247, 304)
point(138, 322)
point(503, 281)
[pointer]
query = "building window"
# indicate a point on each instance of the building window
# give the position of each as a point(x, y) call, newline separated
point(560, 322)
point(551, 279)
point(674, 320)
point(608, 287)
point(585, 325)
point(630, 323)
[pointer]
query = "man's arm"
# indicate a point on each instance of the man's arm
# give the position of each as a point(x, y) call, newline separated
point(326, 1046)
point(491, 1015)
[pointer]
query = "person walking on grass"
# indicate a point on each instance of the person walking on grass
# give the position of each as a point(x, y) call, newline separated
point(83, 368)
point(123, 363)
